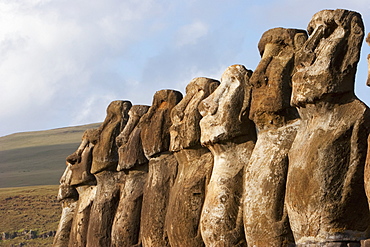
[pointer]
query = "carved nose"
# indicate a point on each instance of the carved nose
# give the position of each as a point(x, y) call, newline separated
point(207, 107)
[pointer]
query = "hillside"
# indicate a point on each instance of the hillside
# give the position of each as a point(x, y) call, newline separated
point(29, 215)
point(37, 158)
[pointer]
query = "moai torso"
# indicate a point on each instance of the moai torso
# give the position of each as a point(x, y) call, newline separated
point(68, 196)
point(325, 196)
point(194, 166)
point(265, 217)
point(133, 169)
point(230, 136)
point(104, 165)
point(155, 138)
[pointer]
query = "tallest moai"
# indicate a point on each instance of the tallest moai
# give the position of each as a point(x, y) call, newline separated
point(325, 196)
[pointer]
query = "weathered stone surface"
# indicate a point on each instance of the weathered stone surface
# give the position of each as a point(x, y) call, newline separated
point(65, 223)
point(81, 217)
point(105, 153)
point(68, 195)
point(161, 176)
point(103, 209)
point(271, 81)
point(129, 141)
point(222, 110)
point(126, 224)
point(185, 116)
point(133, 169)
point(81, 159)
point(368, 60)
point(325, 195)
point(187, 197)
point(265, 218)
point(327, 62)
point(194, 166)
point(230, 136)
point(104, 165)
point(85, 183)
point(156, 122)
point(155, 137)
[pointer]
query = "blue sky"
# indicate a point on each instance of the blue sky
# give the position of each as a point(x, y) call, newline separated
point(62, 63)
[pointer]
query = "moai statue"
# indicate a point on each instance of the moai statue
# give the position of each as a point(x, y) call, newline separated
point(133, 168)
point(366, 243)
point(85, 183)
point(104, 165)
point(230, 136)
point(155, 138)
point(68, 196)
point(194, 166)
point(265, 218)
point(325, 195)
point(368, 60)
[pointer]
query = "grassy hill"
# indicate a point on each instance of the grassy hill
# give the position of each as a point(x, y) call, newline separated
point(37, 158)
point(31, 165)
point(26, 209)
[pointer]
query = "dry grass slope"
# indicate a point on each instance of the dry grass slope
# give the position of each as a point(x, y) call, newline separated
point(29, 208)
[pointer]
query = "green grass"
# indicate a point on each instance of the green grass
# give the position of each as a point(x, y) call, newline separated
point(44, 138)
point(29, 208)
point(31, 165)
point(37, 158)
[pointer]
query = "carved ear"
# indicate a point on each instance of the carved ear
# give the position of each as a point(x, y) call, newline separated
point(212, 87)
point(244, 111)
point(354, 42)
point(299, 40)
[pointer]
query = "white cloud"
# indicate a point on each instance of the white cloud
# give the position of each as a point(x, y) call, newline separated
point(55, 54)
point(62, 62)
point(191, 33)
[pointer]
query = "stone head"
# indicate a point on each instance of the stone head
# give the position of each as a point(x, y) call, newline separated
point(105, 152)
point(155, 124)
point(185, 116)
point(81, 160)
point(130, 150)
point(66, 190)
point(327, 62)
point(118, 109)
point(271, 81)
point(221, 111)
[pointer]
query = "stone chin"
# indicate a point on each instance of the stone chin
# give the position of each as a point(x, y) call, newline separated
point(212, 134)
point(308, 89)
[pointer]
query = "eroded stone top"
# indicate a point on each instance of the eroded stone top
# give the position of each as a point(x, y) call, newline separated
point(222, 110)
point(105, 155)
point(155, 124)
point(271, 81)
point(129, 141)
point(81, 159)
point(327, 62)
point(185, 129)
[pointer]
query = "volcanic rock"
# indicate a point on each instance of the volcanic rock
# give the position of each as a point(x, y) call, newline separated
point(194, 166)
point(325, 195)
point(230, 136)
point(265, 217)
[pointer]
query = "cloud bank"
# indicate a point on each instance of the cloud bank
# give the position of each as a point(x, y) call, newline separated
point(62, 63)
